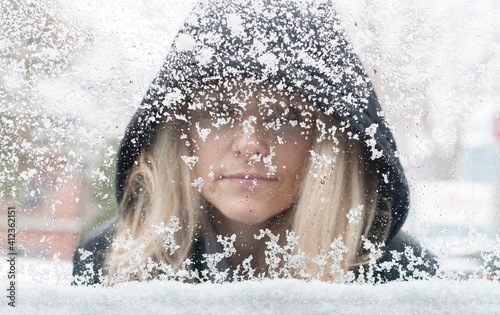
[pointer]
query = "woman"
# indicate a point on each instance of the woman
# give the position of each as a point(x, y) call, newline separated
point(262, 122)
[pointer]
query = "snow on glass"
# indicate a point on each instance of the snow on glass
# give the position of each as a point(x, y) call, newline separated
point(49, 139)
point(284, 261)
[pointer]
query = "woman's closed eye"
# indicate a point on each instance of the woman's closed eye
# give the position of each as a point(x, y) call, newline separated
point(290, 114)
point(220, 109)
point(217, 114)
point(287, 119)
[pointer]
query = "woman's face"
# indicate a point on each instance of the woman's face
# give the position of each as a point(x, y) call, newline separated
point(253, 143)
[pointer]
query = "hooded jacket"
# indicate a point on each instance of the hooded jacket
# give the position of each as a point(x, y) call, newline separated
point(297, 43)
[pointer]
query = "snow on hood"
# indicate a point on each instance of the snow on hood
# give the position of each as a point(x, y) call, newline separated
point(299, 44)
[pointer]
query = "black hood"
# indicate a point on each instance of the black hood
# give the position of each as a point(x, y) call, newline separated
point(298, 43)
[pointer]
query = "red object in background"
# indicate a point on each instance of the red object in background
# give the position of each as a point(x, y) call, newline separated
point(485, 276)
point(497, 127)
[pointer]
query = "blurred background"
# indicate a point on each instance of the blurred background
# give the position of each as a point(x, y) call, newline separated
point(72, 74)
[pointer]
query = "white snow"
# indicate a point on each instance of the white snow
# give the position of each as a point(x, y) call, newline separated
point(436, 72)
point(53, 294)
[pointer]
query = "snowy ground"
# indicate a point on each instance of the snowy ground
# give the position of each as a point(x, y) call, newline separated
point(43, 288)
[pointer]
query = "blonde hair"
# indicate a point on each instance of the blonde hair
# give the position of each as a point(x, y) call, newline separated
point(338, 199)
point(159, 188)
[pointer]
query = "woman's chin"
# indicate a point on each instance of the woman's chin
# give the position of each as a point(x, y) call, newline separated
point(246, 216)
point(247, 208)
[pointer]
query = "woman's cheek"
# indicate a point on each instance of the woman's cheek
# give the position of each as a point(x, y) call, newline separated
point(208, 156)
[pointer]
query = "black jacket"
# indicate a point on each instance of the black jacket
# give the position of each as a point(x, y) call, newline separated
point(297, 43)
point(91, 254)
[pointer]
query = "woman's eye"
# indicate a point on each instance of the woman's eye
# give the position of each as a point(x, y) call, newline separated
point(290, 114)
point(221, 110)
point(279, 121)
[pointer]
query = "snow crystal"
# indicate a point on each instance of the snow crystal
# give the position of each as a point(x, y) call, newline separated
point(354, 215)
point(234, 22)
point(84, 253)
point(198, 183)
point(167, 234)
point(202, 132)
point(248, 128)
point(270, 61)
point(185, 42)
point(190, 160)
point(205, 55)
point(271, 169)
point(212, 260)
point(372, 142)
point(322, 161)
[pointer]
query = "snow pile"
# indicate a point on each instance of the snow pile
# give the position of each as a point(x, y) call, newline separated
point(44, 288)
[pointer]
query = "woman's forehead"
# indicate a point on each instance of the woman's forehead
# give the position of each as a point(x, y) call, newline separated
point(244, 92)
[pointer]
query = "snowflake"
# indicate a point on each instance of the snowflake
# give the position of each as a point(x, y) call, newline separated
point(354, 215)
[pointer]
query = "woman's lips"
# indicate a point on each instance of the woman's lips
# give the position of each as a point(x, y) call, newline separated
point(248, 180)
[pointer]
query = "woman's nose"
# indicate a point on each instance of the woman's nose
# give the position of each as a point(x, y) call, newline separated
point(250, 139)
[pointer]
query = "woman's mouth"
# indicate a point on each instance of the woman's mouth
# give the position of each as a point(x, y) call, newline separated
point(248, 180)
